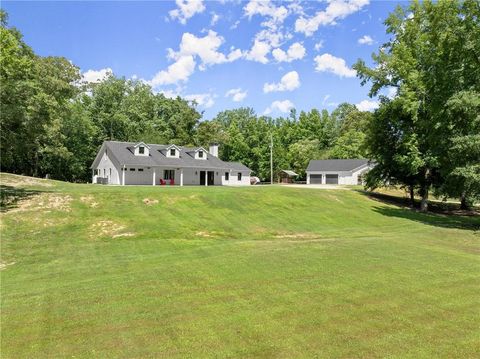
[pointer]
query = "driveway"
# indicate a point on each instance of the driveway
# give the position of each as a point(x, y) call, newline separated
point(316, 186)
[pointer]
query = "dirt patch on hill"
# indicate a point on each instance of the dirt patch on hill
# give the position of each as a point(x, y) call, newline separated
point(208, 234)
point(45, 202)
point(109, 229)
point(20, 181)
point(150, 202)
point(89, 200)
point(4, 265)
point(297, 236)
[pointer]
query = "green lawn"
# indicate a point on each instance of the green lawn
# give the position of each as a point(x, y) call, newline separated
point(141, 272)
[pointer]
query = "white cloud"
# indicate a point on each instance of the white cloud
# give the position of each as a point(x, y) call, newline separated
point(336, 9)
point(235, 25)
point(318, 45)
point(180, 70)
point(96, 76)
point(325, 98)
point(295, 52)
point(367, 105)
point(288, 82)
point(259, 52)
point(186, 9)
point(206, 100)
point(365, 40)
point(335, 65)
point(272, 34)
point(266, 8)
point(215, 18)
point(204, 47)
point(169, 93)
point(282, 106)
point(392, 92)
point(237, 94)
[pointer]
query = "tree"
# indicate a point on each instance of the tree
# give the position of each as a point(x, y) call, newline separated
point(433, 55)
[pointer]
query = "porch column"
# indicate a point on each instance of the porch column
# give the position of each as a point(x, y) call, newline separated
point(123, 175)
point(181, 176)
point(308, 178)
point(206, 178)
point(153, 179)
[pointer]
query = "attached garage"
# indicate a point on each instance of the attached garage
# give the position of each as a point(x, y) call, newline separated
point(316, 179)
point(331, 179)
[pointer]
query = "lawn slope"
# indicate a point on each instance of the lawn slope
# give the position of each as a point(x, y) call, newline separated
point(97, 271)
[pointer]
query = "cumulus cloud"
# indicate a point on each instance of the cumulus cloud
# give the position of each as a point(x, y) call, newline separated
point(288, 82)
point(335, 65)
point(272, 34)
point(367, 105)
point(96, 76)
point(215, 18)
point(180, 70)
point(186, 9)
point(281, 106)
point(365, 40)
point(336, 10)
point(259, 52)
point(206, 48)
point(295, 52)
point(318, 45)
point(205, 100)
point(237, 94)
point(266, 8)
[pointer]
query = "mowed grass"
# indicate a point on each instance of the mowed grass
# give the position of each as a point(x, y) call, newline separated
point(270, 272)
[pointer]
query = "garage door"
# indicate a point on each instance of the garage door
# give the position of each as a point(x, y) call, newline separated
point(315, 179)
point(331, 179)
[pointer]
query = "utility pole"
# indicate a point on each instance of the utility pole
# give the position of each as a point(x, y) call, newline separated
point(271, 158)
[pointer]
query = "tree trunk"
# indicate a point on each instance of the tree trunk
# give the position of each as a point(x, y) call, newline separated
point(424, 201)
point(464, 203)
point(412, 197)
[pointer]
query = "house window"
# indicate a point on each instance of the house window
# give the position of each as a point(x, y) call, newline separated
point(124, 169)
point(172, 152)
point(132, 169)
point(169, 174)
point(141, 150)
point(104, 172)
point(227, 175)
point(140, 170)
point(200, 154)
point(110, 172)
point(239, 176)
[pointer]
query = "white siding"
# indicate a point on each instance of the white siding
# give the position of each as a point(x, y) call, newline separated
point(344, 177)
point(107, 169)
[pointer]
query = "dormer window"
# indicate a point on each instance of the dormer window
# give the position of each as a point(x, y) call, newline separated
point(172, 151)
point(200, 154)
point(141, 149)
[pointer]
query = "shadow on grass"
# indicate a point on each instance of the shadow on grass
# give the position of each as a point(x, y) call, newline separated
point(10, 196)
point(445, 215)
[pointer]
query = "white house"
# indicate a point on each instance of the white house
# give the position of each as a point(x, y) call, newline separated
point(128, 163)
point(346, 172)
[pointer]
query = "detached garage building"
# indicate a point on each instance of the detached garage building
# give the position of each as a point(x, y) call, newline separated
point(346, 172)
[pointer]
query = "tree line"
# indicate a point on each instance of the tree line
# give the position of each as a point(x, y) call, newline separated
point(425, 138)
point(53, 123)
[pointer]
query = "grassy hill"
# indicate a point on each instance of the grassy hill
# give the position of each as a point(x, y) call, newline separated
point(95, 271)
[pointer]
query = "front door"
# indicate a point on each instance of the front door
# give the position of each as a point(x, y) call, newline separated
point(202, 178)
point(211, 178)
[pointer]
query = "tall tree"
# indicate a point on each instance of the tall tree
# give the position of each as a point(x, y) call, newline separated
point(432, 55)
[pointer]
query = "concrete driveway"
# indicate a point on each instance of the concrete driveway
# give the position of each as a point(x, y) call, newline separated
point(316, 186)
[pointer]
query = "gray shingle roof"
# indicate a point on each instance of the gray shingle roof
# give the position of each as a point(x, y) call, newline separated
point(123, 152)
point(336, 165)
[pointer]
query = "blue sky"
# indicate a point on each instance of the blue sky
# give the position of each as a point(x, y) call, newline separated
point(266, 55)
